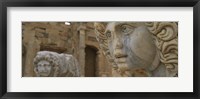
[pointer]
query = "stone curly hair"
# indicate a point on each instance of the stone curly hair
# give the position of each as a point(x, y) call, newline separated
point(165, 36)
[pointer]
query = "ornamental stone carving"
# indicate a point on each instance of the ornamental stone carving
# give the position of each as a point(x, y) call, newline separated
point(147, 49)
point(52, 64)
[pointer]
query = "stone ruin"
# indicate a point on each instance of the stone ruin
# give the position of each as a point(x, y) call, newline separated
point(120, 49)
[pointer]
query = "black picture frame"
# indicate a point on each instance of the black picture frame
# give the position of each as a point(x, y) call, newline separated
point(99, 3)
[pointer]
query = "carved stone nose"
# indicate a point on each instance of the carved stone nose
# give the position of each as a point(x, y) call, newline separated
point(119, 44)
point(41, 69)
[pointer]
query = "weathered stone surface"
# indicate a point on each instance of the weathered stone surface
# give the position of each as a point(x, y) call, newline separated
point(39, 36)
point(60, 38)
point(140, 49)
point(120, 48)
point(52, 64)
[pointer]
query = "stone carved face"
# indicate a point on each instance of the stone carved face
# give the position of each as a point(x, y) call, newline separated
point(52, 64)
point(140, 48)
point(43, 68)
point(131, 45)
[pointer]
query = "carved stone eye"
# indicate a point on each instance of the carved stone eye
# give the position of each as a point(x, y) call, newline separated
point(127, 29)
point(124, 29)
point(48, 65)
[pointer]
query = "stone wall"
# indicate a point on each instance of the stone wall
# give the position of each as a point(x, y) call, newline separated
point(61, 38)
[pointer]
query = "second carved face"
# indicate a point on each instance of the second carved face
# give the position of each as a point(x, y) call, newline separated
point(43, 68)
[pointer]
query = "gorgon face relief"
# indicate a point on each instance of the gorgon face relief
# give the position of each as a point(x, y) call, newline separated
point(139, 48)
point(52, 64)
point(44, 68)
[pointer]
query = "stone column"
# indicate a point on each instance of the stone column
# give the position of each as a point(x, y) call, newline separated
point(32, 47)
point(98, 63)
point(81, 30)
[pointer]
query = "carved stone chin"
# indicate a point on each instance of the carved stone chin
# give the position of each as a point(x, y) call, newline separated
point(139, 48)
point(52, 64)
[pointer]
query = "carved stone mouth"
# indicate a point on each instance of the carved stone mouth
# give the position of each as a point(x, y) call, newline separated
point(120, 55)
point(121, 59)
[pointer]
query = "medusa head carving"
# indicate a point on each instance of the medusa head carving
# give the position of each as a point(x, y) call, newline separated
point(52, 64)
point(139, 48)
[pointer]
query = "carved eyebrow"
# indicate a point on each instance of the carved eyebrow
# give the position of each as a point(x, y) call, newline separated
point(133, 24)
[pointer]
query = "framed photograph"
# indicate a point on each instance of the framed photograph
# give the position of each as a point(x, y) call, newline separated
point(99, 49)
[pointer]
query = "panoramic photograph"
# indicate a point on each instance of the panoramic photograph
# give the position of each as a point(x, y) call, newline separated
point(100, 49)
